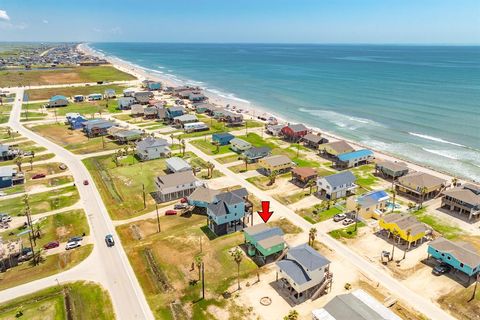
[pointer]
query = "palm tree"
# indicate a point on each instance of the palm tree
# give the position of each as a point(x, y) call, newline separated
point(328, 204)
point(311, 184)
point(395, 235)
point(18, 162)
point(182, 144)
point(423, 193)
point(357, 211)
point(408, 243)
point(172, 136)
point(245, 160)
point(272, 177)
point(125, 149)
point(311, 236)
point(31, 163)
point(292, 315)
point(217, 146)
point(411, 205)
point(454, 181)
point(237, 256)
point(394, 195)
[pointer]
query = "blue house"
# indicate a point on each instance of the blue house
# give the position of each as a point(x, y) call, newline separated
point(75, 120)
point(222, 138)
point(152, 85)
point(96, 127)
point(355, 158)
point(95, 96)
point(8, 177)
point(202, 197)
point(175, 111)
point(461, 256)
point(227, 211)
point(57, 101)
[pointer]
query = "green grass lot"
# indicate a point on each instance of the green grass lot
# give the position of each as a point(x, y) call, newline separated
point(5, 110)
point(121, 187)
point(241, 167)
point(365, 177)
point(28, 146)
point(227, 159)
point(42, 202)
point(318, 213)
point(74, 140)
point(51, 265)
point(444, 228)
point(47, 182)
point(207, 147)
point(47, 93)
point(46, 168)
point(262, 182)
point(26, 160)
point(287, 199)
point(162, 262)
point(286, 225)
point(9, 78)
point(346, 233)
point(87, 301)
point(60, 227)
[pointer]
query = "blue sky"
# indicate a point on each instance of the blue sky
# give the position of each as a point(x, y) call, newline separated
point(304, 21)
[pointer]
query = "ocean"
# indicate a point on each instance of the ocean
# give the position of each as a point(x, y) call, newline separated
point(420, 103)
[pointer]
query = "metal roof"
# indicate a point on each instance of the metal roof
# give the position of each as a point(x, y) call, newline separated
point(462, 251)
point(339, 179)
point(57, 97)
point(177, 164)
point(355, 155)
point(308, 257)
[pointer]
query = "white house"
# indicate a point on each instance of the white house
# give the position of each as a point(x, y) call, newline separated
point(337, 185)
point(239, 145)
point(176, 185)
point(176, 164)
point(152, 148)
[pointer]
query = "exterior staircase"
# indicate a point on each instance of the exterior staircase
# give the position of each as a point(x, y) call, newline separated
point(325, 285)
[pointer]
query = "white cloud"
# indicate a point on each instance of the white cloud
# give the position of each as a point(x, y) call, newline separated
point(4, 15)
point(45, 21)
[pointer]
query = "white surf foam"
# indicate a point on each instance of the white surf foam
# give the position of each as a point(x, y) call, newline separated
point(427, 137)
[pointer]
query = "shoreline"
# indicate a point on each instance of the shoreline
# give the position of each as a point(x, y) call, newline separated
point(142, 74)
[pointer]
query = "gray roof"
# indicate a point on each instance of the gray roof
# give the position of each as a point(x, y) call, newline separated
point(186, 117)
point(176, 108)
point(151, 142)
point(358, 305)
point(4, 148)
point(256, 151)
point(7, 171)
point(308, 257)
point(203, 194)
point(129, 133)
point(175, 179)
point(462, 251)
point(240, 142)
point(277, 160)
point(177, 163)
point(219, 207)
point(298, 127)
point(338, 179)
point(311, 137)
point(294, 271)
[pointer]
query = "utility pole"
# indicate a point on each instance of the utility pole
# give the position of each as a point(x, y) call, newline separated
point(203, 281)
point(55, 112)
point(475, 288)
point(144, 200)
point(158, 217)
point(103, 143)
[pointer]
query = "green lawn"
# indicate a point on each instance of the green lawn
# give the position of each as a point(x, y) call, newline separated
point(9, 78)
point(162, 263)
point(287, 199)
point(207, 147)
point(28, 146)
point(262, 182)
point(318, 213)
point(5, 110)
point(217, 126)
point(42, 202)
point(26, 160)
point(48, 182)
point(228, 159)
point(365, 177)
point(47, 93)
point(445, 229)
point(51, 265)
point(87, 301)
point(346, 233)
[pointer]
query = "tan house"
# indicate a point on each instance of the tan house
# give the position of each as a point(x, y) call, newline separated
point(370, 205)
point(464, 200)
point(278, 163)
point(335, 148)
point(420, 185)
point(304, 175)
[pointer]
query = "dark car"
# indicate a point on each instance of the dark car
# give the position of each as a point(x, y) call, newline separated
point(75, 239)
point(170, 212)
point(85, 182)
point(109, 240)
point(51, 245)
point(179, 206)
point(441, 268)
point(39, 176)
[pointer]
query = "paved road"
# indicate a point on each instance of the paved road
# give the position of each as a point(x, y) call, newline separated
point(109, 266)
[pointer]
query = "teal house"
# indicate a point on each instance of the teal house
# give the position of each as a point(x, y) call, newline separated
point(222, 138)
point(461, 256)
point(264, 241)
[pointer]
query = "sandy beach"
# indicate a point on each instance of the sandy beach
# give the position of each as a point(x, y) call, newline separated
point(254, 111)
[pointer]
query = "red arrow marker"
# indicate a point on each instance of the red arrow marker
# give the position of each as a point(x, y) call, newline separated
point(265, 214)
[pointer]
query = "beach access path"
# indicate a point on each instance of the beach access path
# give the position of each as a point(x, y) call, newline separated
point(108, 266)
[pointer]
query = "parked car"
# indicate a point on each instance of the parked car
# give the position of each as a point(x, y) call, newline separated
point(170, 212)
point(51, 245)
point(63, 166)
point(179, 206)
point(339, 217)
point(348, 221)
point(2, 193)
point(72, 245)
point(75, 239)
point(109, 240)
point(85, 182)
point(441, 268)
point(183, 200)
point(6, 218)
point(38, 176)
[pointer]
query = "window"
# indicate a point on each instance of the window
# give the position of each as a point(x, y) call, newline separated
point(461, 265)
